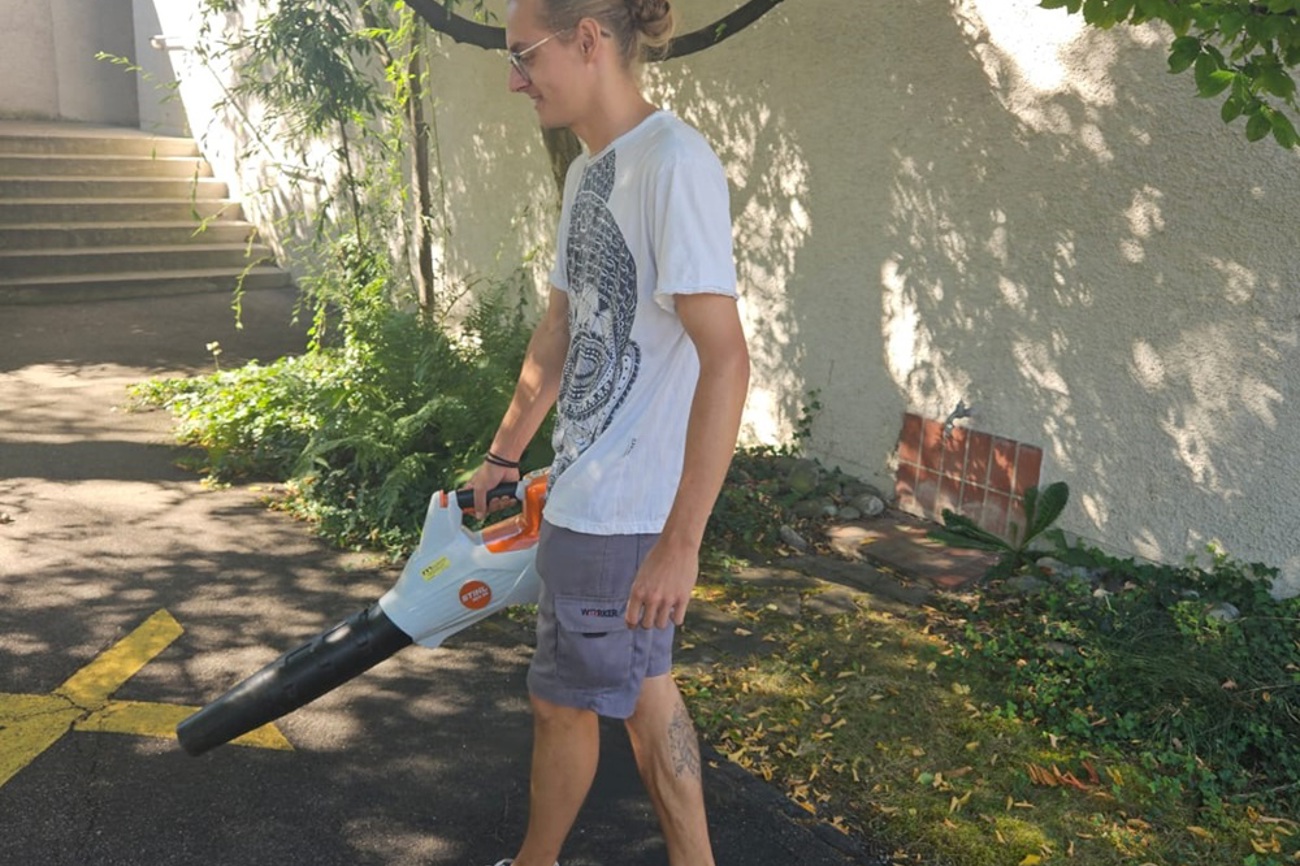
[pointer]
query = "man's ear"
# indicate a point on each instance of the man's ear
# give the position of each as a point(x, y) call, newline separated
point(588, 36)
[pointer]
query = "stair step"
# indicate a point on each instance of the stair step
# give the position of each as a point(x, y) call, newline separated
point(139, 144)
point(76, 235)
point(99, 166)
point(108, 260)
point(26, 211)
point(89, 212)
point(111, 188)
point(66, 289)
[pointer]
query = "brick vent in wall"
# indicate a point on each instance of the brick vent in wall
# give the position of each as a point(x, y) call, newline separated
point(973, 473)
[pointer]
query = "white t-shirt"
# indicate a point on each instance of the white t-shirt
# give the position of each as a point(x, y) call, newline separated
point(643, 220)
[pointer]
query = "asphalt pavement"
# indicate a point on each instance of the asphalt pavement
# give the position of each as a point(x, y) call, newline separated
point(130, 594)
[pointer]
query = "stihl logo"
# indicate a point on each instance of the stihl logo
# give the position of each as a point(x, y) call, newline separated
point(600, 611)
point(475, 595)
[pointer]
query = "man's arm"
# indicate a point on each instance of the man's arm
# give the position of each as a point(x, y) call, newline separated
point(535, 393)
point(663, 585)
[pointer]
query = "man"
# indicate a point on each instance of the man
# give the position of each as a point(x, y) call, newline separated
point(642, 352)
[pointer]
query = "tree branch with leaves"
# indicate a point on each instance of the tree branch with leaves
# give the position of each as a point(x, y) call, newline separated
point(440, 17)
point(1246, 50)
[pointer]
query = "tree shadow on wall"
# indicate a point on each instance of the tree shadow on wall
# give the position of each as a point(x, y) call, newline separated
point(1052, 258)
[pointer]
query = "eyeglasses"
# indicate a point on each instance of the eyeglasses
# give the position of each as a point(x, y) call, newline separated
point(517, 57)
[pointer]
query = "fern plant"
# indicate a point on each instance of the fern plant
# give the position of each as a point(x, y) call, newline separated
point(1014, 552)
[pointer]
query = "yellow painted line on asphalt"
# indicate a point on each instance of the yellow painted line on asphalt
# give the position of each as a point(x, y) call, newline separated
point(160, 720)
point(30, 724)
point(117, 664)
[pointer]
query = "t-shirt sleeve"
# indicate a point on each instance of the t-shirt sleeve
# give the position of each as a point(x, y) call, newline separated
point(692, 227)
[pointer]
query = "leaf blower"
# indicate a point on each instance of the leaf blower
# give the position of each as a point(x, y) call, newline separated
point(454, 578)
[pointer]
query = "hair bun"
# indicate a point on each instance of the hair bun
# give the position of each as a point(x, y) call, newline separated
point(654, 18)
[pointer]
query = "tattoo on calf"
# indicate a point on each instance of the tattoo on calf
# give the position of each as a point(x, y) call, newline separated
point(683, 745)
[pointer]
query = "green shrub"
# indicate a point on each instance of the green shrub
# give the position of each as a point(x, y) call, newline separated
point(367, 425)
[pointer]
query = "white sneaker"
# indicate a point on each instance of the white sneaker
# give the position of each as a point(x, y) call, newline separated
point(508, 862)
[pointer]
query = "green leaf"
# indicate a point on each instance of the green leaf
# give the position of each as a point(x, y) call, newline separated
point(1097, 13)
point(954, 539)
point(1211, 79)
point(1232, 109)
point(1050, 503)
point(1255, 28)
point(1031, 501)
point(1276, 81)
point(1259, 125)
point(1283, 130)
point(1231, 23)
point(1219, 82)
point(1178, 18)
point(1151, 9)
point(960, 524)
point(963, 525)
point(1120, 10)
point(1057, 538)
point(1183, 53)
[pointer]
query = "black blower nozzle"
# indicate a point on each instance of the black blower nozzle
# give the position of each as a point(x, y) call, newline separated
point(296, 678)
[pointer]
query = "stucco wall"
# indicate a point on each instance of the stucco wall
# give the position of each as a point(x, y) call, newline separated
point(938, 200)
point(48, 65)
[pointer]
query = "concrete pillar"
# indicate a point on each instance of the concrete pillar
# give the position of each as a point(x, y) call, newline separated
point(94, 90)
point(31, 85)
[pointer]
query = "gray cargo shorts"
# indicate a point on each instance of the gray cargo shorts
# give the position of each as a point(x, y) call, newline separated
point(586, 655)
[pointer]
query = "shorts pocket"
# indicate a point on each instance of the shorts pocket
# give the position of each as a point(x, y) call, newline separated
point(594, 646)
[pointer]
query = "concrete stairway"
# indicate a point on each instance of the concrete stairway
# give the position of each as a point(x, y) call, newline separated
point(92, 212)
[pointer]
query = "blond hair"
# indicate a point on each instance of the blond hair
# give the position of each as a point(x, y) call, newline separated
point(640, 28)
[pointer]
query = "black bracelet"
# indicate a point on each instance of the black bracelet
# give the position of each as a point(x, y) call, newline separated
point(498, 460)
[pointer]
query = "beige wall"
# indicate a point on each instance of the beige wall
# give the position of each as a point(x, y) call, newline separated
point(48, 65)
point(938, 200)
point(160, 106)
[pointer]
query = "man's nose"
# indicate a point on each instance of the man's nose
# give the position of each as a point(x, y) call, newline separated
point(516, 82)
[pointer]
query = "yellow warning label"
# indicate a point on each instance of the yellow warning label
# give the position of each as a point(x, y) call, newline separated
point(435, 568)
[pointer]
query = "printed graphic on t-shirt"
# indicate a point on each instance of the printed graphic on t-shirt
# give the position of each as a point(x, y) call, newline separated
point(603, 359)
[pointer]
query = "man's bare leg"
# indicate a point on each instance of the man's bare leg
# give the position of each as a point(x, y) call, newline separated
point(668, 756)
point(566, 748)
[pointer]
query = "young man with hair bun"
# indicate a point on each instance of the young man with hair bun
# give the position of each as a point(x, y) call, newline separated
point(642, 353)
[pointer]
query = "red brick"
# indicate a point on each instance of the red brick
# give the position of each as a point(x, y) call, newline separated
point(994, 517)
point(932, 445)
point(905, 480)
point(972, 501)
point(1003, 468)
point(1029, 463)
point(1016, 520)
point(978, 453)
point(954, 453)
point(909, 440)
point(949, 495)
point(927, 491)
